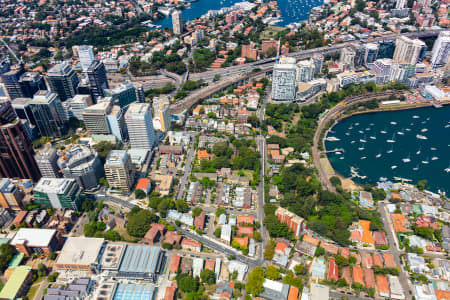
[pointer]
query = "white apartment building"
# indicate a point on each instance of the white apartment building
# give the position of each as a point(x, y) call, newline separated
point(177, 22)
point(305, 70)
point(139, 122)
point(441, 50)
point(284, 82)
point(86, 56)
point(119, 170)
point(46, 160)
point(407, 50)
point(95, 117)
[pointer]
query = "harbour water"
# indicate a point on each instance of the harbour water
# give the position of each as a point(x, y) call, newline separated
point(410, 144)
point(292, 11)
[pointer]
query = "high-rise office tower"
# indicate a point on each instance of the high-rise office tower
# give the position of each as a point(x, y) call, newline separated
point(63, 81)
point(106, 118)
point(124, 94)
point(371, 53)
point(140, 93)
point(21, 84)
point(97, 79)
point(58, 193)
point(83, 87)
point(116, 122)
point(408, 51)
point(82, 164)
point(162, 116)
point(119, 170)
point(31, 83)
point(11, 194)
point(86, 56)
point(347, 59)
point(140, 126)
point(47, 161)
point(318, 62)
point(22, 108)
point(284, 83)
point(78, 104)
point(49, 114)
point(386, 48)
point(16, 151)
point(11, 79)
point(95, 117)
point(305, 70)
point(441, 50)
point(177, 22)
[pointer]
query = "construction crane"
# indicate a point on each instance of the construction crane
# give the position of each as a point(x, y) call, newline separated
point(12, 52)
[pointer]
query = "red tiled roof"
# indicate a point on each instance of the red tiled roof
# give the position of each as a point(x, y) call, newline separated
point(143, 184)
point(310, 240)
point(380, 238)
point(199, 221)
point(357, 275)
point(293, 293)
point(245, 230)
point(242, 241)
point(345, 252)
point(210, 264)
point(367, 260)
point(355, 236)
point(245, 220)
point(330, 248)
point(170, 293)
point(172, 237)
point(389, 260)
point(281, 247)
point(346, 275)
point(442, 295)
point(377, 260)
point(190, 243)
point(333, 271)
point(175, 263)
point(369, 278)
point(382, 285)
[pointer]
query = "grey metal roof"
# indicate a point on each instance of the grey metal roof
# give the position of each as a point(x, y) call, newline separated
point(134, 292)
point(140, 259)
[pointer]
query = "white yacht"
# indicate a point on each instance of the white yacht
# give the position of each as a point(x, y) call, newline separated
point(421, 137)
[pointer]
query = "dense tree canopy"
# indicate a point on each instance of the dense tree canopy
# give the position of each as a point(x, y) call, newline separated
point(6, 254)
point(139, 221)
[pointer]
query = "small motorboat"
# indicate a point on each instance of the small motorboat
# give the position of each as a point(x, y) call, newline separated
point(421, 137)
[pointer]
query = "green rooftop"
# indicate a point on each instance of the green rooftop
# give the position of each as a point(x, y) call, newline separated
point(15, 282)
point(16, 260)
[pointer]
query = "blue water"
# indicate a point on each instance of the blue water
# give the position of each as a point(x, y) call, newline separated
point(405, 146)
point(291, 10)
point(296, 11)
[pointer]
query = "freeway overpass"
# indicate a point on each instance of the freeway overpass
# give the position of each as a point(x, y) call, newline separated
point(242, 73)
point(302, 54)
